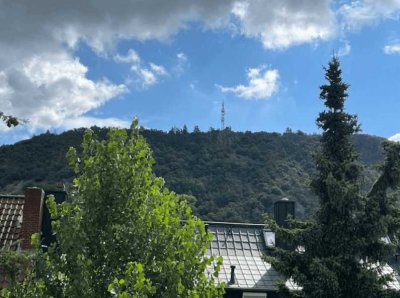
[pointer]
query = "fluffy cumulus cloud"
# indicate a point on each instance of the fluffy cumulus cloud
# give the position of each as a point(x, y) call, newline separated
point(99, 23)
point(262, 84)
point(392, 49)
point(41, 79)
point(282, 23)
point(47, 89)
point(356, 14)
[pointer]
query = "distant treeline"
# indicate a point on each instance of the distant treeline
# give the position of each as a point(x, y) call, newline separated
point(231, 176)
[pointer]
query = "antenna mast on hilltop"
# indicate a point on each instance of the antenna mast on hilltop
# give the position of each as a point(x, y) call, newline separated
point(223, 116)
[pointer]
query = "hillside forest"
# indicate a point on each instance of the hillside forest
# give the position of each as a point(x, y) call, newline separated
point(226, 175)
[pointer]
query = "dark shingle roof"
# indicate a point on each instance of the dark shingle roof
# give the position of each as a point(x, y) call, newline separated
point(11, 208)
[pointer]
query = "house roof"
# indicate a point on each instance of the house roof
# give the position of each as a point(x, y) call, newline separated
point(20, 218)
point(11, 215)
point(242, 245)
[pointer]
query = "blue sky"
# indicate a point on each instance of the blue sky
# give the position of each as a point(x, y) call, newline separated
point(174, 62)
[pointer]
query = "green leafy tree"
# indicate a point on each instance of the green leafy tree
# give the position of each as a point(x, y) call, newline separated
point(30, 286)
point(13, 264)
point(341, 252)
point(122, 233)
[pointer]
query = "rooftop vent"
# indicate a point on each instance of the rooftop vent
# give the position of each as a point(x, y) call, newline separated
point(232, 281)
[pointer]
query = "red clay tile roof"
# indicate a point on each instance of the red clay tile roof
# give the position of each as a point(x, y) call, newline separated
point(11, 208)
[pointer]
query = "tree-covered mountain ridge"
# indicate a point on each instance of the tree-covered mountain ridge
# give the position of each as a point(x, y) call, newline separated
point(232, 176)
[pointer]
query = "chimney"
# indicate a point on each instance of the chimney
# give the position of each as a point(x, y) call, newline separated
point(32, 216)
point(232, 281)
point(282, 209)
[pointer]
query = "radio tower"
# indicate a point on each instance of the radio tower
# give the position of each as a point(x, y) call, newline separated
point(223, 116)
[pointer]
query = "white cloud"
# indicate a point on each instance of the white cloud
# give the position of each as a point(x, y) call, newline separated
point(48, 89)
point(158, 69)
point(42, 81)
point(33, 33)
point(49, 24)
point(145, 75)
point(85, 121)
point(395, 138)
point(392, 49)
point(181, 57)
point(359, 13)
point(181, 65)
point(131, 57)
point(345, 49)
point(263, 83)
point(283, 23)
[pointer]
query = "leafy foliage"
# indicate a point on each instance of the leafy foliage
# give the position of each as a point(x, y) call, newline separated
point(135, 284)
point(31, 286)
point(347, 243)
point(9, 120)
point(123, 233)
point(13, 264)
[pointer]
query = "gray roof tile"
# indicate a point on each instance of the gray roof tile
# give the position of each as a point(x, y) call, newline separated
point(243, 245)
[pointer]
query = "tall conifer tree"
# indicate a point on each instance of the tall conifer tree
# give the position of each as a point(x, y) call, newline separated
point(339, 253)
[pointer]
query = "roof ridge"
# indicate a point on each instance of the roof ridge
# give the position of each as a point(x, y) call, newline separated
point(234, 223)
point(12, 196)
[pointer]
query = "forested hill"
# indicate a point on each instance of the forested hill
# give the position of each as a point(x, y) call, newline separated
point(234, 176)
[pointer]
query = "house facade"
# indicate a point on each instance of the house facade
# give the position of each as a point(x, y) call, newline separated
point(21, 216)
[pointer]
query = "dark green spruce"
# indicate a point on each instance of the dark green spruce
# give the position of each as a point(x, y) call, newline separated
point(351, 236)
